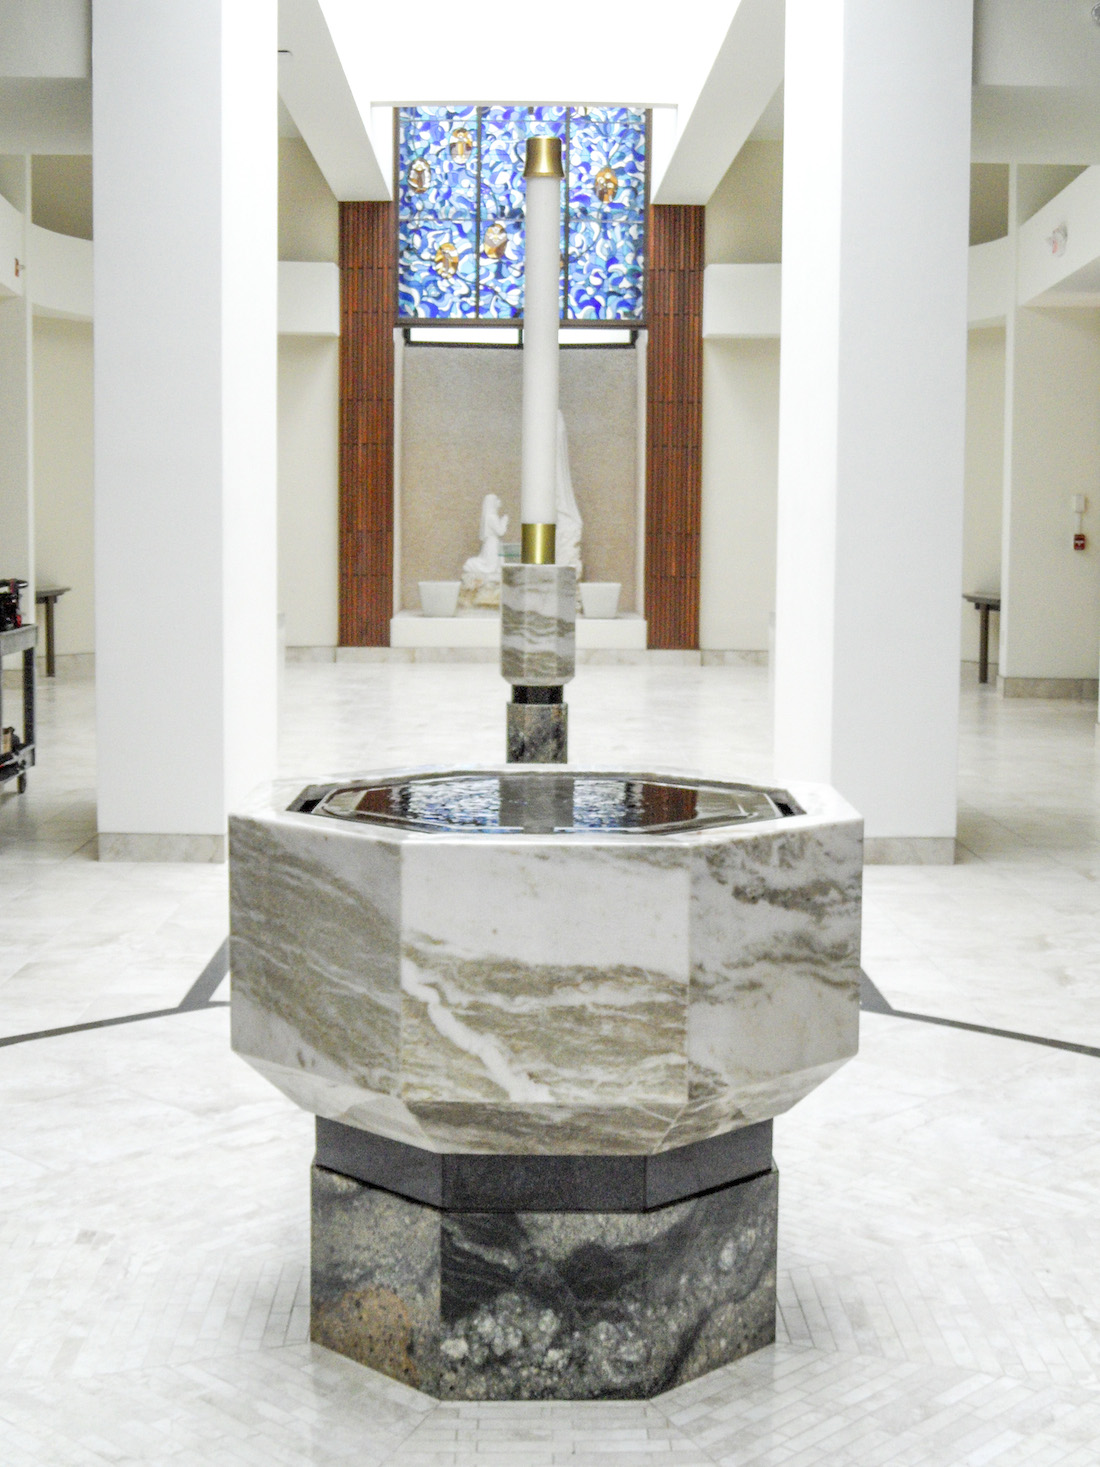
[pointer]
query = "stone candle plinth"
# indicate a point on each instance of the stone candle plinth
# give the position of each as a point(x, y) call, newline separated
point(545, 1019)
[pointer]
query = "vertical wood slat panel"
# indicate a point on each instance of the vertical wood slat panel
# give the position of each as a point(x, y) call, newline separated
point(367, 294)
point(674, 424)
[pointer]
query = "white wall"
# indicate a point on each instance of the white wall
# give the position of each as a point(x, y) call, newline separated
point(63, 475)
point(740, 448)
point(1050, 623)
point(309, 216)
point(309, 412)
point(741, 419)
point(308, 488)
point(985, 416)
point(745, 212)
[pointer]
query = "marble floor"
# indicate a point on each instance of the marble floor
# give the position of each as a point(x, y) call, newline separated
point(940, 1218)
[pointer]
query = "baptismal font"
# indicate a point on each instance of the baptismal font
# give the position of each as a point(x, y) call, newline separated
point(544, 1017)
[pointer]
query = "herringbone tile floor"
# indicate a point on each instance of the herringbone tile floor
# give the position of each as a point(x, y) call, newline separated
point(939, 1288)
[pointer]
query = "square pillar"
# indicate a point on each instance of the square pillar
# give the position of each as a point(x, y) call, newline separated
point(185, 385)
point(872, 411)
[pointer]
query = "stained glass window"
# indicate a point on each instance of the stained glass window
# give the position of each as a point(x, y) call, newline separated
point(460, 197)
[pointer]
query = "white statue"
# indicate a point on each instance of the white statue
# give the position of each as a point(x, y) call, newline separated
point(570, 524)
point(481, 573)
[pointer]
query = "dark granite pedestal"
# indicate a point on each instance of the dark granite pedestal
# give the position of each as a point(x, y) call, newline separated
point(489, 1301)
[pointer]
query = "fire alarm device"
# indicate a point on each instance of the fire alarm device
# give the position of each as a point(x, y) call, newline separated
point(1079, 504)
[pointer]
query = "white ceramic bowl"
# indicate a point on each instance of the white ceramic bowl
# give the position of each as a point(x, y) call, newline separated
point(439, 598)
point(600, 598)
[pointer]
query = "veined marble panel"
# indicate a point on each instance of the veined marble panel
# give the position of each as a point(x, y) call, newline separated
point(775, 930)
point(551, 973)
point(538, 624)
point(562, 994)
point(314, 916)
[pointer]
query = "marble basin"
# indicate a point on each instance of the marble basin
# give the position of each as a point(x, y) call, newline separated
point(536, 975)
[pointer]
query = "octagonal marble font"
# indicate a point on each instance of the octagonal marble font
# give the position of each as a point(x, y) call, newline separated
point(542, 986)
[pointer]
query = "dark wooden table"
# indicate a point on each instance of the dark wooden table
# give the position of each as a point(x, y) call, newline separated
point(15, 763)
point(47, 596)
point(984, 604)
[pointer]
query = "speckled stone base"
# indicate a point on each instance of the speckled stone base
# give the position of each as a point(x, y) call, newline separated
point(508, 1306)
point(538, 733)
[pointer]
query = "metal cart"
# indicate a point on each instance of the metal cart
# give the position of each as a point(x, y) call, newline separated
point(15, 762)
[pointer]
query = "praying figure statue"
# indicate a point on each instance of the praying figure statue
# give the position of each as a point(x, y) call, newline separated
point(481, 573)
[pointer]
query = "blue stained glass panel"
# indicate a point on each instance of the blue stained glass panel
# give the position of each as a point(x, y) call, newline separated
point(610, 116)
point(502, 270)
point(501, 289)
point(461, 200)
point(606, 269)
point(437, 269)
point(503, 130)
point(438, 168)
point(546, 122)
point(605, 173)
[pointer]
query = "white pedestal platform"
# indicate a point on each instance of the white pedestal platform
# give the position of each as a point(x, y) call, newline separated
point(626, 632)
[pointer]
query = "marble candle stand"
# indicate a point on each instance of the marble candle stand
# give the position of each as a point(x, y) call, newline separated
point(538, 633)
point(536, 1059)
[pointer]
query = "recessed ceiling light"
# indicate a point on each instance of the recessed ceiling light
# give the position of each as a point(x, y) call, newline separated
point(1096, 13)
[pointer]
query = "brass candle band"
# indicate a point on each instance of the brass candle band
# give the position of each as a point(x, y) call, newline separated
point(537, 544)
point(543, 158)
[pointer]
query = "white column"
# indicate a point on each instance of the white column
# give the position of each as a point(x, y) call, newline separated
point(17, 390)
point(872, 410)
point(185, 384)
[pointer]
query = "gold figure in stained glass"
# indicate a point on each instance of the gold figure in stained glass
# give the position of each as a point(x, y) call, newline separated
point(419, 175)
point(495, 241)
point(607, 185)
point(461, 144)
point(446, 260)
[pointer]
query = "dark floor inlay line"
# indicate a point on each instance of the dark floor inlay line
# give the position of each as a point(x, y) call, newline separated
point(871, 1001)
point(199, 996)
point(206, 984)
point(106, 1023)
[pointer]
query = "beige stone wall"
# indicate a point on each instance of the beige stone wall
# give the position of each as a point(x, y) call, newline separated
point(63, 474)
point(460, 440)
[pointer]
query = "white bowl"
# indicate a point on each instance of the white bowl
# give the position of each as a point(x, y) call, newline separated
point(439, 598)
point(600, 598)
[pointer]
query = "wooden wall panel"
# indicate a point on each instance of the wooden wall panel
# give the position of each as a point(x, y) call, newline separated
point(674, 424)
point(367, 295)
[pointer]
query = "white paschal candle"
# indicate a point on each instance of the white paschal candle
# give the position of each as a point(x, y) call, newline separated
point(538, 488)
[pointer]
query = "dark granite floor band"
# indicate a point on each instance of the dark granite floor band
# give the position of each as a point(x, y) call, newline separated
point(872, 1001)
point(481, 1183)
point(198, 996)
point(209, 980)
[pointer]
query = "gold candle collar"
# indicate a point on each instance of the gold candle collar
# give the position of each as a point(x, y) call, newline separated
point(538, 544)
point(543, 158)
